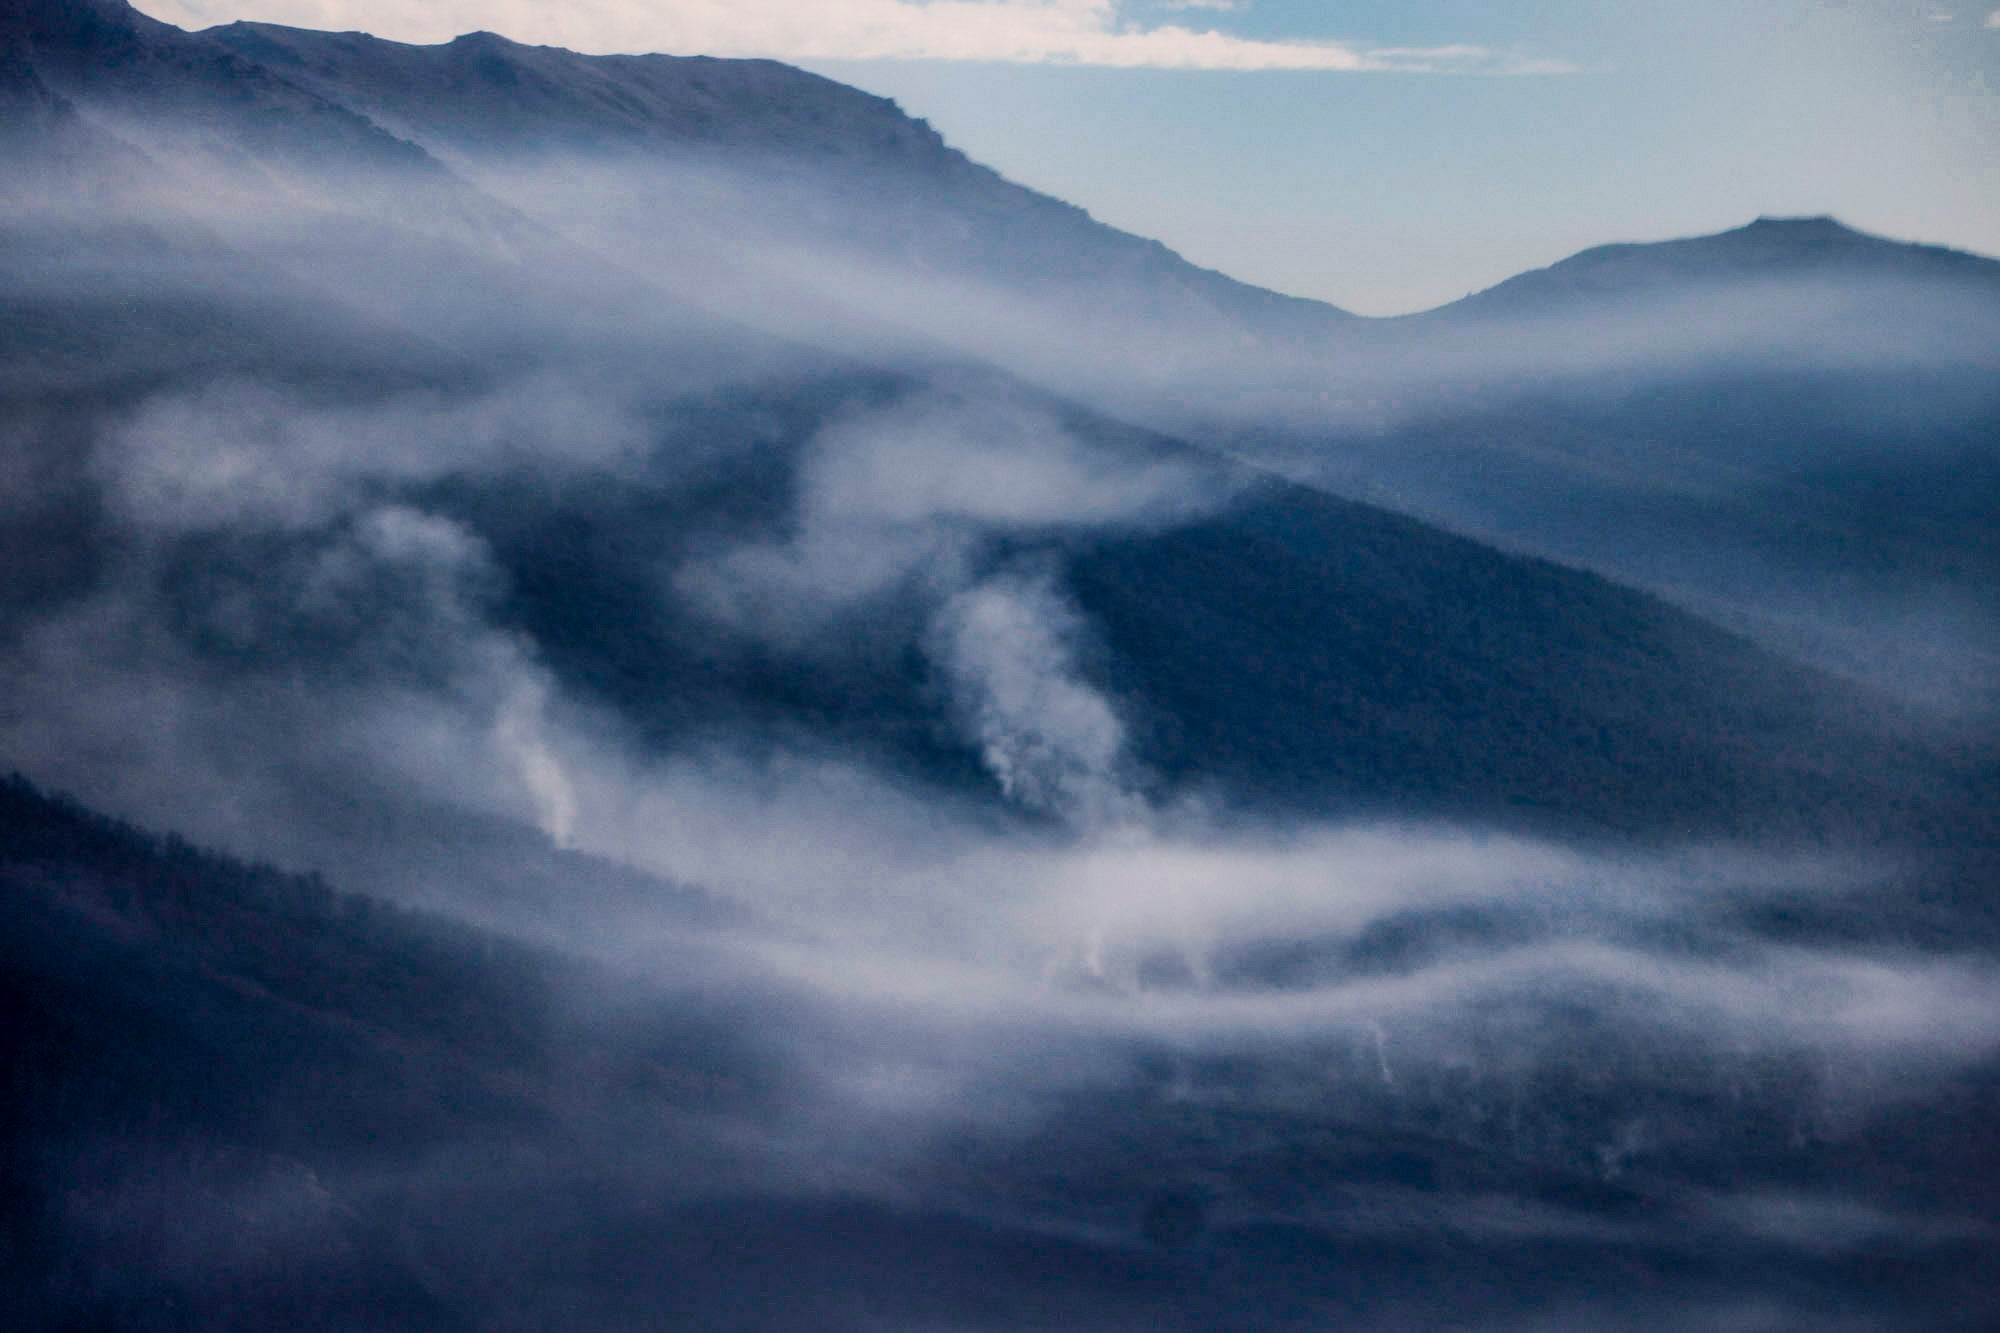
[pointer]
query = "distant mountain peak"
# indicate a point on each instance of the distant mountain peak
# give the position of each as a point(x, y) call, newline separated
point(1824, 223)
point(1768, 248)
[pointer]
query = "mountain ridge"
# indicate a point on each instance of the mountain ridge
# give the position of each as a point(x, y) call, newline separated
point(376, 90)
point(485, 99)
point(1768, 248)
point(483, 96)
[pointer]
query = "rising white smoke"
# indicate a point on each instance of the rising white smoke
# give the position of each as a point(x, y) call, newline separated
point(520, 734)
point(1055, 743)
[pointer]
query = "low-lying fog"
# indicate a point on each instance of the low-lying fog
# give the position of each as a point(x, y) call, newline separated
point(270, 614)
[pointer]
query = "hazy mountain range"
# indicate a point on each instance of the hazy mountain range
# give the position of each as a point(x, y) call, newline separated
point(888, 756)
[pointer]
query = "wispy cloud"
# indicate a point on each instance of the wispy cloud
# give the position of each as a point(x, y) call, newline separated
point(1073, 32)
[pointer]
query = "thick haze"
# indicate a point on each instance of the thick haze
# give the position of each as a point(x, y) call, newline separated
point(743, 603)
point(1597, 411)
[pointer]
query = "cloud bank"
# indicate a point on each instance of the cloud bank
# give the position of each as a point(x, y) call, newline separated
point(1066, 32)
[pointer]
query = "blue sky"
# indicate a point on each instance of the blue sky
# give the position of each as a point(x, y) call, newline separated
point(1382, 154)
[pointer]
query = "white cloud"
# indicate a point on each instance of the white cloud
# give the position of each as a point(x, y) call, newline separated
point(1993, 19)
point(1078, 32)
